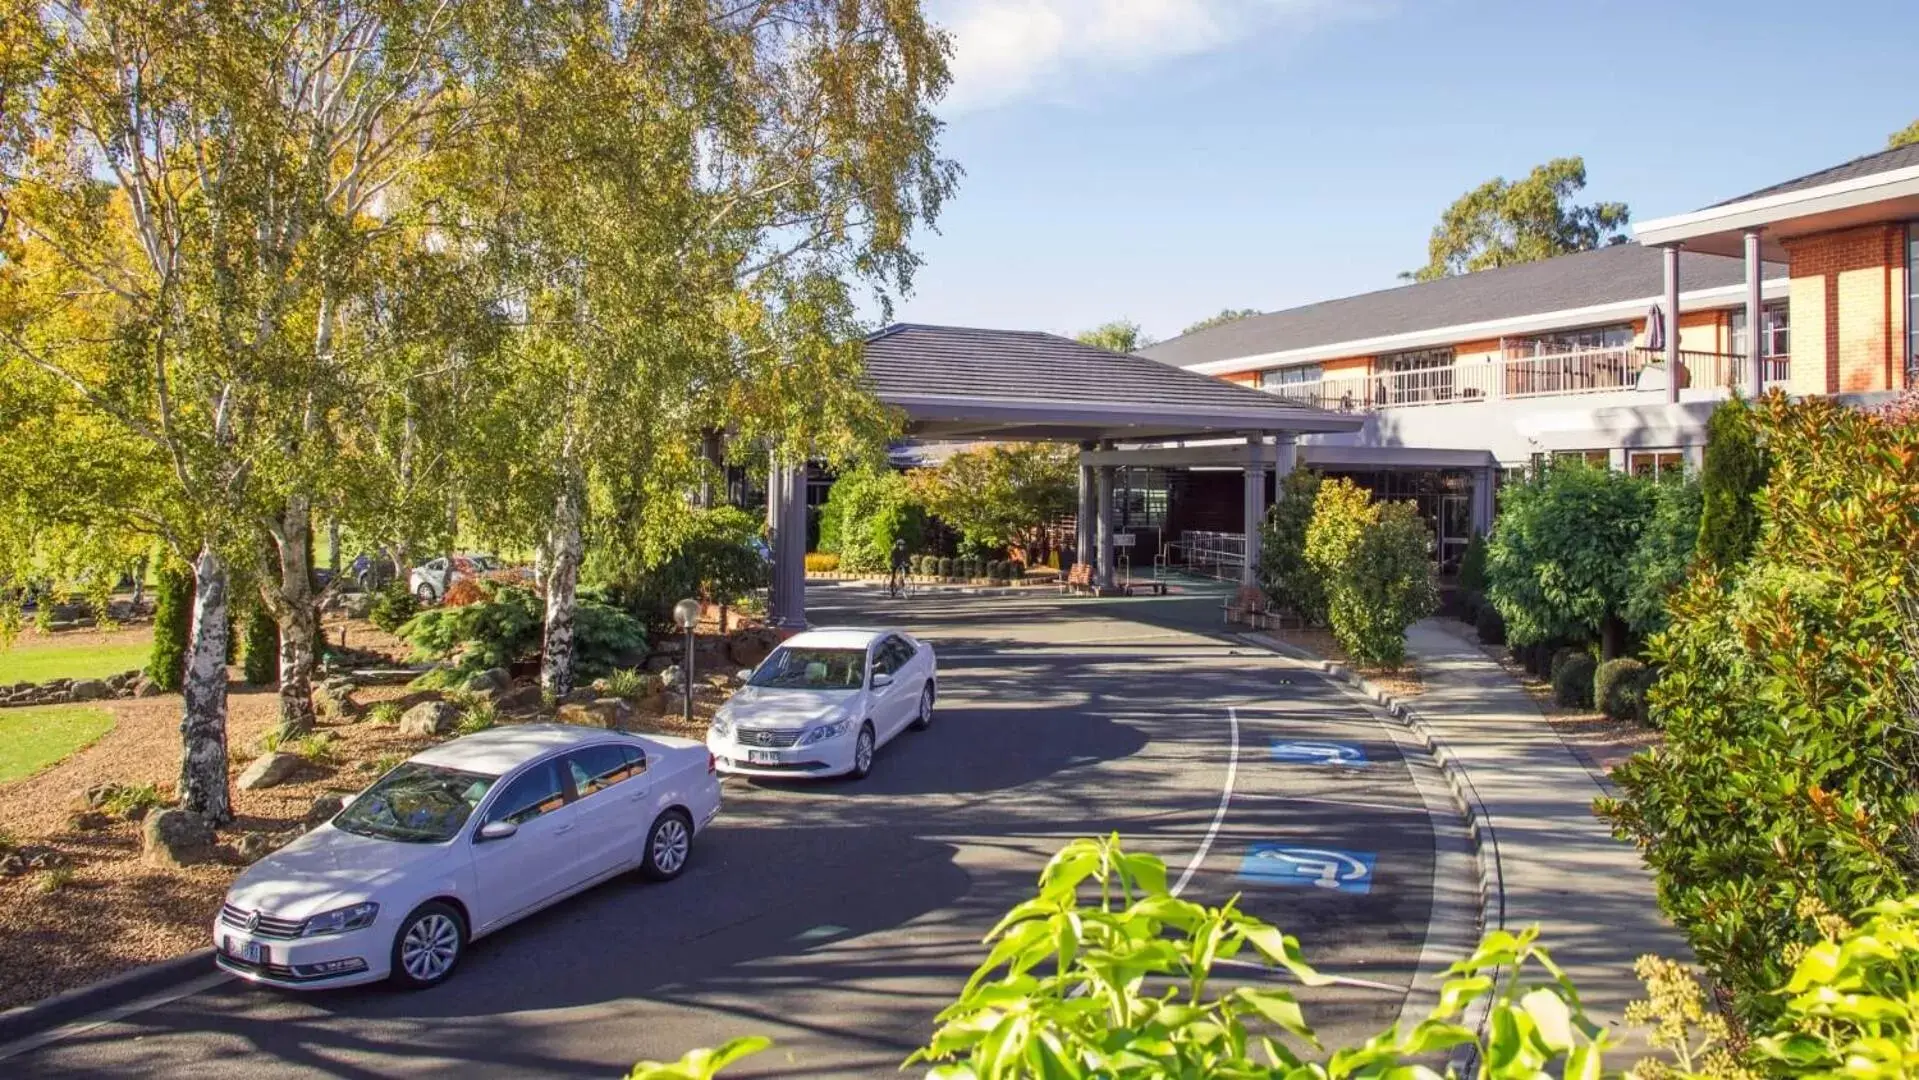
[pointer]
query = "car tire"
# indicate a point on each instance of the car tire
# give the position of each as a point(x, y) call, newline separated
point(669, 843)
point(864, 748)
point(424, 593)
point(428, 946)
point(925, 718)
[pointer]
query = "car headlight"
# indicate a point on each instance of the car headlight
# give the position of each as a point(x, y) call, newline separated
point(722, 723)
point(340, 920)
point(824, 732)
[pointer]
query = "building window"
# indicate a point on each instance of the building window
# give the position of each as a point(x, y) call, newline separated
point(1591, 337)
point(1289, 376)
point(1414, 377)
point(1775, 340)
point(1139, 499)
point(1656, 463)
point(1598, 458)
point(1912, 304)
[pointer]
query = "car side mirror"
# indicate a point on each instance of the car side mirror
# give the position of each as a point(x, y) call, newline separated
point(498, 830)
point(745, 674)
point(347, 800)
point(881, 678)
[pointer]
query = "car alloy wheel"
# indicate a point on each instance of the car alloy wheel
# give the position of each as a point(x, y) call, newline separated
point(429, 946)
point(425, 594)
point(925, 718)
point(667, 846)
point(863, 752)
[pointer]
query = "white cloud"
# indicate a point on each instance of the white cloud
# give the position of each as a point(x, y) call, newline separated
point(1010, 49)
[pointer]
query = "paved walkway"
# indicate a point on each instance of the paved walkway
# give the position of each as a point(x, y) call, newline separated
point(1559, 866)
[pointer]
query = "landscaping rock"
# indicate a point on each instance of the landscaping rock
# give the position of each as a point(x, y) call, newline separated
point(491, 681)
point(579, 695)
point(323, 809)
point(88, 821)
point(356, 605)
point(748, 647)
point(672, 677)
point(89, 690)
point(95, 797)
point(429, 718)
point(252, 847)
point(335, 698)
point(46, 860)
point(659, 662)
point(12, 865)
point(611, 713)
point(672, 703)
point(270, 770)
point(529, 698)
point(146, 687)
point(175, 838)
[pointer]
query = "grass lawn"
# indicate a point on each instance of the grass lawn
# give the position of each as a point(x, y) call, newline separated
point(35, 737)
point(42, 663)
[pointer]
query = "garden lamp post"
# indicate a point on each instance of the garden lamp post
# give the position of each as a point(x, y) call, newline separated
point(687, 614)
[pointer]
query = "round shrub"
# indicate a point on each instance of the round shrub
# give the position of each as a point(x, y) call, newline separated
point(1560, 658)
point(392, 607)
point(1634, 690)
point(926, 565)
point(1573, 681)
point(945, 566)
point(992, 568)
point(1539, 660)
point(1610, 682)
point(1490, 627)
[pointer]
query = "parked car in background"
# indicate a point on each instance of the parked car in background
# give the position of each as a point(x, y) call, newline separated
point(823, 703)
point(457, 842)
point(430, 580)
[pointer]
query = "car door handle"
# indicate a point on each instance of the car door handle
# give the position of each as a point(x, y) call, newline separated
point(637, 796)
point(561, 830)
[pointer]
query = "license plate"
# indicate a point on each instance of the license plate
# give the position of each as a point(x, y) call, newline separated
point(253, 952)
point(762, 757)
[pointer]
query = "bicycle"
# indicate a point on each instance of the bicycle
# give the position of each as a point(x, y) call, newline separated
point(897, 587)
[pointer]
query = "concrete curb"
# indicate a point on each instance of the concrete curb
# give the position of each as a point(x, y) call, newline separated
point(1485, 841)
point(84, 1001)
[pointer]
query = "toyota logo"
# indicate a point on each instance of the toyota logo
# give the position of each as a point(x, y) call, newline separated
point(253, 922)
point(764, 738)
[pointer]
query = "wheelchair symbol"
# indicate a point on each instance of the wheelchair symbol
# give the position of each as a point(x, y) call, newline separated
point(1319, 868)
point(1318, 753)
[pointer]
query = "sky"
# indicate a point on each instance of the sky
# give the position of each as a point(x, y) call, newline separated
point(1158, 160)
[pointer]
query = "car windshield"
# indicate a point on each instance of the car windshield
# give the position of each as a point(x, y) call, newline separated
point(415, 803)
point(812, 669)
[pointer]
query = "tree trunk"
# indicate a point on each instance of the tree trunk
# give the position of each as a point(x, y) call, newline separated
point(1612, 638)
point(203, 728)
point(333, 546)
point(139, 586)
point(563, 578)
point(293, 608)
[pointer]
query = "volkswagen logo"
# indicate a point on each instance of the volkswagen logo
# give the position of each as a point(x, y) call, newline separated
point(253, 922)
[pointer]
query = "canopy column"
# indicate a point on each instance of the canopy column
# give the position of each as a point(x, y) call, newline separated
point(1105, 526)
point(786, 534)
point(1255, 505)
point(1088, 507)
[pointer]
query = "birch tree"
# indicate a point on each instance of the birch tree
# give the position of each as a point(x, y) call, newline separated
point(214, 176)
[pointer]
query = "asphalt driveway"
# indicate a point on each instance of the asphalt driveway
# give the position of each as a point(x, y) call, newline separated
point(838, 918)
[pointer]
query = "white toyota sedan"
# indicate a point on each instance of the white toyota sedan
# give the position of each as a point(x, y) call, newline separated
point(459, 841)
point(822, 703)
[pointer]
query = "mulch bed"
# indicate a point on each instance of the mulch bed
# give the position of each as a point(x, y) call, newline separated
point(1600, 742)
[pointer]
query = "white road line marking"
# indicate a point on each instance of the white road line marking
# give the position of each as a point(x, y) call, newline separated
point(108, 1016)
point(1225, 800)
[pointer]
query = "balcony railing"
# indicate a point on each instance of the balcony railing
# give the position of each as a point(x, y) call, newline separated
point(1584, 371)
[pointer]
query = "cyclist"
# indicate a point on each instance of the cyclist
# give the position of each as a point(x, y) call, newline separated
point(896, 582)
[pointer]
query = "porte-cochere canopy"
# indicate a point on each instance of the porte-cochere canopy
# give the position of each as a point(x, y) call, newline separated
point(1017, 385)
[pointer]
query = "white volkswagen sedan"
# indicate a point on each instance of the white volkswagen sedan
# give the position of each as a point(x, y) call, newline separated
point(822, 703)
point(459, 841)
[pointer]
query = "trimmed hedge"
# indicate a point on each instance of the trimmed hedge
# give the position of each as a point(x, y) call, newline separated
point(172, 623)
point(1490, 627)
point(261, 655)
point(1610, 681)
point(1634, 690)
point(945, 566)
point(1558, 660)
point(1573, 681)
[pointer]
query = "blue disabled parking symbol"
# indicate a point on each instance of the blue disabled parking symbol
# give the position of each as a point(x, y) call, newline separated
point(1298, 752)
point(1319, 868)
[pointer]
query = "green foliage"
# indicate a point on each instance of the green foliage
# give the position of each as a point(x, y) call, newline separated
point(628, 683)
point(1284, 573)
point(1790, 767)
point(1120, 336)
point(1573, 681)
point(1851, 1007)
point(1664, 553)
point(1614, 686)
point(172, 622)
point(1558, 563)
point(476, 716)
point(1562, 656)
point(1226, 315)
point(712, 557)
point(507, 626)
point(130, 800)
point(1905, 136)
point(1472, 565)
point(868, 509)
point(392, 606)
point(319, 747)
point(385, 713)
point(1373, 562)
point(1385, 586)
point(946, 566)
point(700, 1064)
point(1001, 496)
point(260, 655)
point(1502, 223)
point(1735, 472)
point(53, 880)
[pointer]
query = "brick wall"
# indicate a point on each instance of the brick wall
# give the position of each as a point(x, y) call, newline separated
point(1848, 309)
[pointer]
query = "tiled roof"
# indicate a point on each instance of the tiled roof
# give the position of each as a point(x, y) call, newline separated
point(1605, 275)
point(1899, 157)
point(912, 359)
